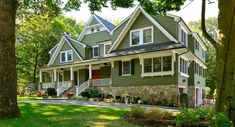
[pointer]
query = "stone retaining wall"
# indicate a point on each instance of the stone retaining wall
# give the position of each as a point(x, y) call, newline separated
point(150, 93)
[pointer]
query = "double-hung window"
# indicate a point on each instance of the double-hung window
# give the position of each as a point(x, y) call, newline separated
point(183, 66)
point(66, 56)
point(126, 68)
point(183, 37)
point(196, 45)
point(157, 64)
point(95, 51)
point(141, 36)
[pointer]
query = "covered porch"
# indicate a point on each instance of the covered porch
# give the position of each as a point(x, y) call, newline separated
point(75, 77)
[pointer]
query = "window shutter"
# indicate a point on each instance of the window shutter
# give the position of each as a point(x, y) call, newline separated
point(120, 68)
point(132, 67)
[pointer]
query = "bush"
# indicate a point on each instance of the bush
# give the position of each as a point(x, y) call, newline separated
point(109, 96)
point(126, 98)
point(156, 114)
point(100, 97)
point(136, 99)
point(118, 98)
point(51, 92)
point(189, 117)
point(184, 99)
point(90, 93)
point(136, 112)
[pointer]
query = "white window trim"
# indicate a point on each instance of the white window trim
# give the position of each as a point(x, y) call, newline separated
point(66, 56)
point(141, 36)
point(105, 48)
point(181, 28)
point(123, 67)
point(97, 46)
point(162, 73)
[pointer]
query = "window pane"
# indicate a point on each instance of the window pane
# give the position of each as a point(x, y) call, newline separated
point(69, 56)
point(183, 37)
point(167, 63)
point(126, 67)
point(95, 51)
point(62, 57)
point(135, 37)
point(147, 65)
point(147, 35)
point(157, 64)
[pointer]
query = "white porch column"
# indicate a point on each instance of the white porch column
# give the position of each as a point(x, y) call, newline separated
point(90, 72)
point(55, 75)
point(40, 76)
point(71, 73)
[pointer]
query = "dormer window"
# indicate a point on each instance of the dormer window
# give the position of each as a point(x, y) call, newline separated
point(66, 56)
point(141, 36)
point(95, 51)
point(183, 37)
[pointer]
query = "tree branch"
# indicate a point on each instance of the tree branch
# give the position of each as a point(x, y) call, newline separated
point(203, 25)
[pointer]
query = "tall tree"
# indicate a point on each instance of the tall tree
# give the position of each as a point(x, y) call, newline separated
point(36, 35)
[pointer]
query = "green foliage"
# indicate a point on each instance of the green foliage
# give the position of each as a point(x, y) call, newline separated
point(136, 112)
point(90, 93)
point(189, 117)
point(51, 92)
point(184, 99)
point(156, 114)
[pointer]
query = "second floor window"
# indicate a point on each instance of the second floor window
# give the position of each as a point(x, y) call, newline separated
point(196, 45)
point(66, 56)
point(141, 36)
point(95, 51)
point(183, 37)
point(183, 66)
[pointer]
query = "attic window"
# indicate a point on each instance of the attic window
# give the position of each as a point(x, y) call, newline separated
point(66, 56)
point(92, 30)
point(141, 36)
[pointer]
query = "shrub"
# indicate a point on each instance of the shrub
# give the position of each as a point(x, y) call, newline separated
point(126, 98)
point(51, 92)
point(85, 94)
point(90, 93)
point(184, 99)
point(100, 97)
point(189, 117)
point(109, 96)
point(136, 112)
point(118, 98)
point(136, 99)
point(156, 114)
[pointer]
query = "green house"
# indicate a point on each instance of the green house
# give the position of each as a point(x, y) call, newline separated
point(154, 57)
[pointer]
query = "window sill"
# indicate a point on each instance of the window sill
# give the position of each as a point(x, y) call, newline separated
point(62, 62)
point(157, 74)
point(126, 74)
point(185, 75)
point(141, 44)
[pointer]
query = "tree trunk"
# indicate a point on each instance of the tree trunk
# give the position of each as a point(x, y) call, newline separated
point(226, 58)
point(8, 91)
point(35, 69)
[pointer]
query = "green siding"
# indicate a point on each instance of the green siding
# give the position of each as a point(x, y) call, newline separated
point(83, 75)
point(53, 51)
point(136, 79)
point(92, 39)
point(105, 72)
point(66, 75)
point(117, 31)
point(168, 23)
point(93, 22)
point(191, 74)
point(107, 48)
point(79, 48)
point(142, 22)
point(101, 49)
point(191, 42)
point(66, 47)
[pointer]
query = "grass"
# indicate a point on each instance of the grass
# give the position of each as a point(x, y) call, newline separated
point(48, 115)
point(33, 97)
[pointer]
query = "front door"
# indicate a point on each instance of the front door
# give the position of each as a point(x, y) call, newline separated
point(95, 74)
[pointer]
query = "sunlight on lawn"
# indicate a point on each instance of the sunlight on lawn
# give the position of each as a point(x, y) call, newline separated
point(49, 115)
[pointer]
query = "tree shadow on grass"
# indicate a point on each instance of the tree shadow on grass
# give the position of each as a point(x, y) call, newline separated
point(51, 115)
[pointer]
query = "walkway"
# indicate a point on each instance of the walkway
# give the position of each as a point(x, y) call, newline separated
point(96, 103)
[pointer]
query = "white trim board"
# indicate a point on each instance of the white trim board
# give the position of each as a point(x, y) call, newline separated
point(136, 13)
point(60, 45)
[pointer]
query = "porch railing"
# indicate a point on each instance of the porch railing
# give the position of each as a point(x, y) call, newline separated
point(63, 86)
point(101, 82)
point(48, 85)
point(81, 88)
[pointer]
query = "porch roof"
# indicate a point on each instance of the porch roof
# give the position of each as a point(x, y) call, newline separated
point(146, 48)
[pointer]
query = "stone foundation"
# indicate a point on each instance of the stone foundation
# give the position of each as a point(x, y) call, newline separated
point(152, 94)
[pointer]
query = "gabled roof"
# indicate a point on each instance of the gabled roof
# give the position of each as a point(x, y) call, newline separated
point(106, 23)
point(132, 19)
point(108, 26)
point(64, 39)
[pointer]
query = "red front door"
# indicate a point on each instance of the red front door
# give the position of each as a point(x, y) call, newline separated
point(95, 74)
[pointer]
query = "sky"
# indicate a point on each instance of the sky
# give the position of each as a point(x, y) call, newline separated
point(190, 11)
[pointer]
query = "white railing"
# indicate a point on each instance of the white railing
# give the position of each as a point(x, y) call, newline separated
point(81, 88)
point(48, 85)
point(63, 86)
point(101, 82)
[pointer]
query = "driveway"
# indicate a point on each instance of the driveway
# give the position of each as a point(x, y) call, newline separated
point(97, 103)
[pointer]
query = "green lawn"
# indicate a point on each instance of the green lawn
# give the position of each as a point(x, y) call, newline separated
point(28, 98)
point(45, 115)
